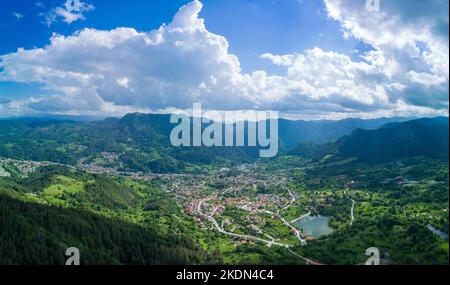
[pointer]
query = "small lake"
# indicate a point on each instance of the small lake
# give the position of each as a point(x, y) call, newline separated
point(435, 231)
point(315, 226)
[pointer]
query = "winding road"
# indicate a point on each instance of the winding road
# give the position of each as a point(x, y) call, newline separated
point(301, 217)
point(352, 212)
point(246, 237)
point(253, 238)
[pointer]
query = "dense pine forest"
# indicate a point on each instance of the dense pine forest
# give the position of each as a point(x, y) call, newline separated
point(56, 208)
point(37, 234)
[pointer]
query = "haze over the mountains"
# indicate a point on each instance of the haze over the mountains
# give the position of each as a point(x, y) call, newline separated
point(143, 141)
point(421, 137)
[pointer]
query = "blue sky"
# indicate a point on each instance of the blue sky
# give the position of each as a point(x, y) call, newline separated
point(252, 27)
point(281, 47)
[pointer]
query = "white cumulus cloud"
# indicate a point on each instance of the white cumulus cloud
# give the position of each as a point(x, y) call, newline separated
point(124, 70)
point(72, 11)
point(410, 41)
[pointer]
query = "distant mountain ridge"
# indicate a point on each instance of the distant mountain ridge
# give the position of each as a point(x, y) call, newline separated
point(291, 132)
point(143, 141)
point(320, 132)
point(422, 137)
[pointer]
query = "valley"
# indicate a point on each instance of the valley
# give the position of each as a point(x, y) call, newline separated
point(315, 203)
point(249, 213)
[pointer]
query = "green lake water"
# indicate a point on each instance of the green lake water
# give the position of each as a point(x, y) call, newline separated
point(315, 226)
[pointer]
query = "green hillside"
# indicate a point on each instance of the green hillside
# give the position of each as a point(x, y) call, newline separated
point(422, 137)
